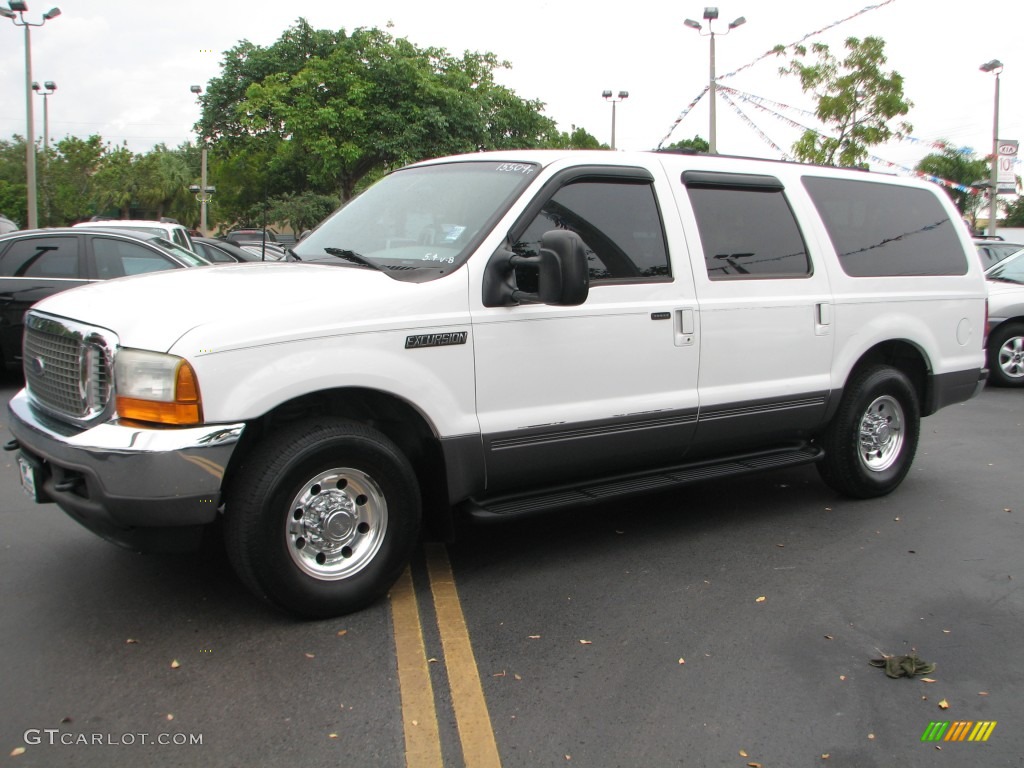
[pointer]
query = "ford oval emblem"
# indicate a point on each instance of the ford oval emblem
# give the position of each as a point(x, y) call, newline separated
point(37, 366)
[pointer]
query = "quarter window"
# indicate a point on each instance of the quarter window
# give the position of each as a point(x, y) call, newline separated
point(619, 223)
point(887, 229)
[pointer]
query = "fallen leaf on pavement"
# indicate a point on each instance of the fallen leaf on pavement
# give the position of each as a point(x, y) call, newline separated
point(586, 642)
point(761, 599)
point(943, 704)
point(175, 664)
point(17, 751)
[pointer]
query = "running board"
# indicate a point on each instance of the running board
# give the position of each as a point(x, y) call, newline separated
point(596, 491)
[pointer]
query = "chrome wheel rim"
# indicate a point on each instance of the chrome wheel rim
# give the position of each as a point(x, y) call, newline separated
point(1011, 357)
point(881, 434)
point(336, 524)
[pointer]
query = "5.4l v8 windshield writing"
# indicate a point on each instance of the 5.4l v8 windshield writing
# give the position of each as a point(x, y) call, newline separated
point(424, 220)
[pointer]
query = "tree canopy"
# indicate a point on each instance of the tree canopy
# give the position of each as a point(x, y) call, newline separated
point(855, 98)
point(962, 168)
point(326, 111)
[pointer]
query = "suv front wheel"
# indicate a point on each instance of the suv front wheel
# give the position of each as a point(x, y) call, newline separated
point(871, 441)
point(322, 517)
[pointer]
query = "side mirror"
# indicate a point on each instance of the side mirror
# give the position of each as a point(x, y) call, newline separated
point(560, 273)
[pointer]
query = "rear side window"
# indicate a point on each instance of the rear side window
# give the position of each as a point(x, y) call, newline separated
point(747, 228)
point(51, 257)
point(883, 230)
point(117, 258)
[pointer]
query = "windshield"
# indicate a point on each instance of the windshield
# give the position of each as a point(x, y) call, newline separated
point(1010, 270)
point(424, 220)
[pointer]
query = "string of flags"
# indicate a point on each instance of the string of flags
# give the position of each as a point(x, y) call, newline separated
point(683, 114)
point(756, 129)
point(765, 55)
point(809, 35)
point(773, 107)
point(763, 104)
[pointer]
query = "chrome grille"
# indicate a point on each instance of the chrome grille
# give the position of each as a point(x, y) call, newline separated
point(68, 367)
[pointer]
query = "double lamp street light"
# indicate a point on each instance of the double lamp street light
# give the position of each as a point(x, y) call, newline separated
point(16, 13)
point(710, 14)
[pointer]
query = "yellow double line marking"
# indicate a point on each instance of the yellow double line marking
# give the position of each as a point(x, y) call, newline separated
point(419, 712)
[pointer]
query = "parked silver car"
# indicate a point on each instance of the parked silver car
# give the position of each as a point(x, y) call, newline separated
point(1005, 344)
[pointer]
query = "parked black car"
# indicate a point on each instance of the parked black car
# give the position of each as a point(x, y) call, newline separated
point(249, 234)
point(221, 251)
point(37, 263)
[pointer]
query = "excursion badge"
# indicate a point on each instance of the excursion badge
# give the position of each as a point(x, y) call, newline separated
point(436, 339)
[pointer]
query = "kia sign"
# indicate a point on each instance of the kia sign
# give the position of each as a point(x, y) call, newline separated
point(1007, 179)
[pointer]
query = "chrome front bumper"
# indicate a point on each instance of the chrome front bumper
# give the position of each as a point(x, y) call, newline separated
point(114, 478)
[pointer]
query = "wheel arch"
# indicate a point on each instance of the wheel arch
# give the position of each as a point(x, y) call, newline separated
point(906, 357)
point(395, 417)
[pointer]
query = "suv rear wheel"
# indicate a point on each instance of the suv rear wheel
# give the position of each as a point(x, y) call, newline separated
point(871, 441)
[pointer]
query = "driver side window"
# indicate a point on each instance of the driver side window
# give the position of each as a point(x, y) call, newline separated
point(619, 223)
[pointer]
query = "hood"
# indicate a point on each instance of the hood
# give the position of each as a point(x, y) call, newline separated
point(242, 305)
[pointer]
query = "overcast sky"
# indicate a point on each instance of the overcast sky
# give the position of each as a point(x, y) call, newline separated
point(123, 67)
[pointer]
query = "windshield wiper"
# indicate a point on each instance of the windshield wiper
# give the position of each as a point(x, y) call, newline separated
point(352, 256)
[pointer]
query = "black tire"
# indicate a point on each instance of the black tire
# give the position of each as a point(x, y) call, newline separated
point(1006, 356)
point(871, 441)
point(322, 517)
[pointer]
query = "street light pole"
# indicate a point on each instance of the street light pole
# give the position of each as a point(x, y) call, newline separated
point(710, 14)
point(51, 87)
point(16, 13)
point(607, 95)
point(994, 66)
point(204, 191)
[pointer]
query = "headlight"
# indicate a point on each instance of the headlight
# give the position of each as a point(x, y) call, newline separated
point(155, 387)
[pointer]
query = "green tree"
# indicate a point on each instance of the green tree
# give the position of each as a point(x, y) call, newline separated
point(299, 211)
point(13, 190)
point(962, 168)
point(856, 99)
point(1015, 213)
point(325, 111)
point(117, 182)
point(577, 138)
point(697, 144)
point(70, 179)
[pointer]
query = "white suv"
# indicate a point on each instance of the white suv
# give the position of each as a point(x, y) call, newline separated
point(497, 334)
point(167, 229)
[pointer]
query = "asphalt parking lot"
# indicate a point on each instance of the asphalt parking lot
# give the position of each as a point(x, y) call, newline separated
point(727, 625)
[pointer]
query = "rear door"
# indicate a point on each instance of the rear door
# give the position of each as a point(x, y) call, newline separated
point(766, 313)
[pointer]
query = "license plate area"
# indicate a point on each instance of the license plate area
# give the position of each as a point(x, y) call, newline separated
point(29, 478)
